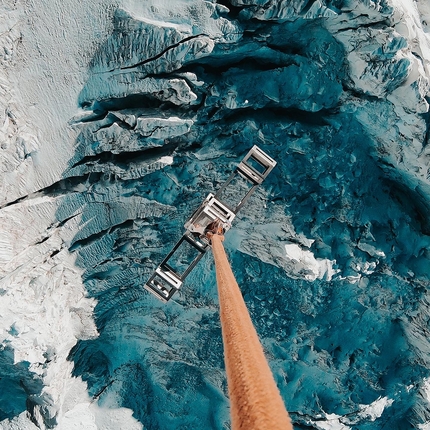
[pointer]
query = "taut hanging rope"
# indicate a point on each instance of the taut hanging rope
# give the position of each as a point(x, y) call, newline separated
point(256, 403)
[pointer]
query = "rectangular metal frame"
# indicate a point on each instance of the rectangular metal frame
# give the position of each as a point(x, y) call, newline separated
point(213, 209)
point(249, 173)
point(165, 281)
point(259, 156)
point(163, 284)
point(168, 274)
point(200, 246)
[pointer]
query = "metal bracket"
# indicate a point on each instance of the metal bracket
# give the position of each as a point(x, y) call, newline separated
point(256, 165)
point(252, 170)
point(171, 273)
point(210, 210)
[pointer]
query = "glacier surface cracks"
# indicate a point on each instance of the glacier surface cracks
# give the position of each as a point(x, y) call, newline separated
point(332, 252)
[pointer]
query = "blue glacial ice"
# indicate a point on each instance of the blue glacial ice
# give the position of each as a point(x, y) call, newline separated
point(331, 253)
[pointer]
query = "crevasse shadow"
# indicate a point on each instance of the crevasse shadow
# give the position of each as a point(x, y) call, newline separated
point(20, 388)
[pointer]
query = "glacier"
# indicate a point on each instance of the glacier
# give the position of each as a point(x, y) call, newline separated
point(118, 118)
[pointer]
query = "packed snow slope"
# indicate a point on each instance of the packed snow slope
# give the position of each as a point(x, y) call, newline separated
point(118, 118)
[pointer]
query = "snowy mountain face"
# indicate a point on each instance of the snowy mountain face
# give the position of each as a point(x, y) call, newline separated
point(117, 119)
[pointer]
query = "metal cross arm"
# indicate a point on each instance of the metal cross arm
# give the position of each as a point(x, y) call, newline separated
point(219, 209)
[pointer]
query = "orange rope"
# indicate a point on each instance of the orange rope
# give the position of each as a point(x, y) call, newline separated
point(256, 403)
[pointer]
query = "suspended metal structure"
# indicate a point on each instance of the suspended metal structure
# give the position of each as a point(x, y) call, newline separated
point(219, 209)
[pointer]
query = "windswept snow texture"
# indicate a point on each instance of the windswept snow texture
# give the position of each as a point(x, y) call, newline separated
point(149, 106)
